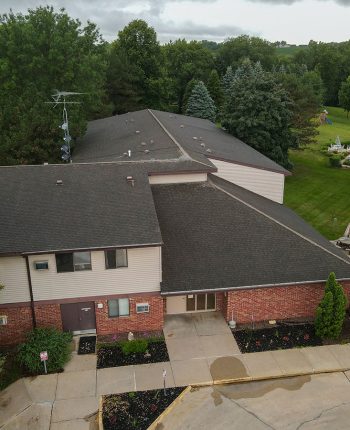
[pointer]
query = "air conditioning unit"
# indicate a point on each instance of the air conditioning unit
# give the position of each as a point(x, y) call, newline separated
point(3, 319)
point(142, 308)
point(41, 265)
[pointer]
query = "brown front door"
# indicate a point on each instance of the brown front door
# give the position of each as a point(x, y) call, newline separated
point(78, 316)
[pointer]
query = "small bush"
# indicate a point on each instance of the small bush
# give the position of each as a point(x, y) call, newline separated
point(334, 161)
point(347, 162)
point(55, 342)
point(137, 346)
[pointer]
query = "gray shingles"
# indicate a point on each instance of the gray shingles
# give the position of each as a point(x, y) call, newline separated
point(221, 144)
point(95, 207)
point(213, 241)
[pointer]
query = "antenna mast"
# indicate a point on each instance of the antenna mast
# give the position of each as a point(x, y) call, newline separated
point(60, 98)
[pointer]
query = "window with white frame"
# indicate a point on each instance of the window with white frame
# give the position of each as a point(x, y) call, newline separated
point(118, 308)
point(73, 261)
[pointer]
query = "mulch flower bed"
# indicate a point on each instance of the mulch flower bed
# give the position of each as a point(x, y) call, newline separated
point(136, 410)
point(87, 345)
point(111, 355)
point(281, 336)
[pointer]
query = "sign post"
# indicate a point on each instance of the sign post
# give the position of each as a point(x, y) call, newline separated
point(44, 357)
point(164, 376)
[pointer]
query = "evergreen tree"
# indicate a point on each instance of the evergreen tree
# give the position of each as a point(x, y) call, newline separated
point(227, 80)
point(187, 94)
point(258, 111)
point(330, 313)
point(200, 104)
point(324, 317)
point(215, 89)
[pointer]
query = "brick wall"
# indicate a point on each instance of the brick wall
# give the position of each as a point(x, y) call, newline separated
point(134, 322)
point(48, 316)
point(263, 304)
point(19, 322)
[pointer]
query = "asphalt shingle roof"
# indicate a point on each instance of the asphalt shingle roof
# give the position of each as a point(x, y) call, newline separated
point(154, 135)
point(213, 241)
point(94, 208)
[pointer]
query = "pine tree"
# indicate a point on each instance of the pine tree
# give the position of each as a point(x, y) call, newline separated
point(215, 89)
point(258, 111)
point(227, 80)
point(200, 104)
point(188, 91)
point(330, 313)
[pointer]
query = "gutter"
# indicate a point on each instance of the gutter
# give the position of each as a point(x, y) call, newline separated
point(246, 287)
point(30, 291)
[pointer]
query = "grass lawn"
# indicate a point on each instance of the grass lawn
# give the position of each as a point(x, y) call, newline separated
point(318, 193)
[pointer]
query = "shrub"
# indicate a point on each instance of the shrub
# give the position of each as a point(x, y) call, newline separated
point(347, 162)
point(55, 342)
point(137, 346)
point(330, 313)
point(334, 161)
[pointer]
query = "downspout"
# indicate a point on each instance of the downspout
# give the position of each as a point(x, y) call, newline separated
point(30, 291)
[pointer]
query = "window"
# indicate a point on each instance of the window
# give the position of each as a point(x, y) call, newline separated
point(41, 265)
point(118, 308)
point(82, 260)
point(116, 258)
point(64, 262)
point(73, 261)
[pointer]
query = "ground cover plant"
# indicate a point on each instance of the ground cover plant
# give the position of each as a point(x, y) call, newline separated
point(136, 410)
point(316, 191)
point(10, 369)
point(56, 343)
point(281, 336)
point(87, 345)
point(137, 351)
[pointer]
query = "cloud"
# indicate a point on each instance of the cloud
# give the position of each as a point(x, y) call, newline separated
point(111, 16)
point(290, 2)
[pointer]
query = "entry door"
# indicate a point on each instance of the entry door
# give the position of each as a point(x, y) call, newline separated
point(200, 302)
point(78, 316)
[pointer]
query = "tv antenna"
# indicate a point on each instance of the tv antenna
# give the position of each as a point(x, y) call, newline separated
point(60, 98)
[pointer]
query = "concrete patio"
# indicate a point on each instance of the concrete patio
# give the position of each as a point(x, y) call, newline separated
point(202, 351)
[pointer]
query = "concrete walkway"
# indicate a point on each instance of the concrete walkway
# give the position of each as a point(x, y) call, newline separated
point(202, 351)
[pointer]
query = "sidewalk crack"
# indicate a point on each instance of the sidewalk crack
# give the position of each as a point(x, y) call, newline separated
point(321, 413)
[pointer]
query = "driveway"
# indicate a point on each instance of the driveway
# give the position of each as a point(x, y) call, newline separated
point(317, 402)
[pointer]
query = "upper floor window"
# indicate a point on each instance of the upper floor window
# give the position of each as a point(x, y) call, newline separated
point(73, 261)
point(116, 258)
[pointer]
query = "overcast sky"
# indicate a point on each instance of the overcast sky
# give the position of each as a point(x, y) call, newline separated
point(296, 21)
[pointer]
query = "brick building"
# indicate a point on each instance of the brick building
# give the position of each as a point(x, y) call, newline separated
point(158, 214)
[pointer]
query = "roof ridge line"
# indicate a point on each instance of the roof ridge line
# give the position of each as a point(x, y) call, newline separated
point(173, 138)
point(278, 222)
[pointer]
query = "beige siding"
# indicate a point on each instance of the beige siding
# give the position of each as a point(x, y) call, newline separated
point(178, 179)
point(13, 275)
point(263, 182)
point(141, 275)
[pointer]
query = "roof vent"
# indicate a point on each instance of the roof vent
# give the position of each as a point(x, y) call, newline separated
point(129, 153)
point(146, 151)
point(143, 143)
point(208, 150)
point(130, 180)
point(152, 141)
point(195, 138)
point(137, 131)
point(59, 182)
point(125, 154)
point(46, 163)
point(202, 145)
point(182, 126)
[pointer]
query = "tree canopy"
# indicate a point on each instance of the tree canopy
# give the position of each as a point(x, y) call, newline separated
point(200, 104)
point(258, 111)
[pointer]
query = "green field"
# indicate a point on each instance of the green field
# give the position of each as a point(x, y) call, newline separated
point(290, 50)
point(318, 193)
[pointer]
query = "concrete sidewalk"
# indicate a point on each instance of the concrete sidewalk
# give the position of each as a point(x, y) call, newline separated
point(69, 400)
